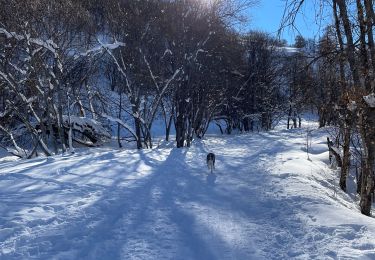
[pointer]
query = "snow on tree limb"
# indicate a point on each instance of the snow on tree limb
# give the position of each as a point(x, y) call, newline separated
point(10, 34)
point(117, 120)
point(370, 100)
point(17, 151)
point(98, 49)
point(120, 68)
point(23, 72)
point(48, 44)
point(161, 92)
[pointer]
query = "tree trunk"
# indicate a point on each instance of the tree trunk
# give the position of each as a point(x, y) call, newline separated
point(350, 43)
point(322, 116)
point(370, 18)
point(180, 129)
point(138, 129)
point(346, 153)
point(333, 151)
point(91, 104)
point(294, 119)
point(137, 122)
point(118, 124)
point(168, 128)
point(180, 124)
point(220, 128)
point(341, 45)
point(367, 123)
point(289, 116)
point(60, 121)
point(363, 48)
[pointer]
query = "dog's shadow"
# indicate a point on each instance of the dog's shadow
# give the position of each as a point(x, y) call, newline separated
point(211, 179)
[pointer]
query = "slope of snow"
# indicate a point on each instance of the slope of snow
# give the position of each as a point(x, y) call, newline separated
point(266, 200)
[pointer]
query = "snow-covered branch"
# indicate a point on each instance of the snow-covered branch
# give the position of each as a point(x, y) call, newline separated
point(48, 44)
point(121, 122)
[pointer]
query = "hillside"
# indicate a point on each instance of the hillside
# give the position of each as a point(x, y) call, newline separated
point(266, 200)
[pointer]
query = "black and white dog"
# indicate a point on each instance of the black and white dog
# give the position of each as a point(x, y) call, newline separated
point(211, 161)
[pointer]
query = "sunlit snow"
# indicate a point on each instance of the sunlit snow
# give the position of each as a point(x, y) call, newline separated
point(266, 200)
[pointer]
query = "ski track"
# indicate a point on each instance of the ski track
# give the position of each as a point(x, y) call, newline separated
point(265, 201)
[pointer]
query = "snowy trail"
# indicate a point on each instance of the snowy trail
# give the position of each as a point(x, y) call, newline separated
point(266, 200)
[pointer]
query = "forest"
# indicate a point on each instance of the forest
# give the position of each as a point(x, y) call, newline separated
point(80, 72)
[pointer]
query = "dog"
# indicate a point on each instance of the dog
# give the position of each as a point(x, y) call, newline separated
point(211, 162)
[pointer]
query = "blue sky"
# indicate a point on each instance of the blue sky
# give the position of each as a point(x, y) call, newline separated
point(267, 14)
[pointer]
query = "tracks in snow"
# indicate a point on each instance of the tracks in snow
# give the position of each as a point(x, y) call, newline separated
point(263, 202)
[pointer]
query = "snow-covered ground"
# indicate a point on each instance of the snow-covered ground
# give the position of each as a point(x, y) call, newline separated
point(267, 199)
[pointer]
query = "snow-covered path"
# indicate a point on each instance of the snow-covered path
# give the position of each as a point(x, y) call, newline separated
point(266, 200)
